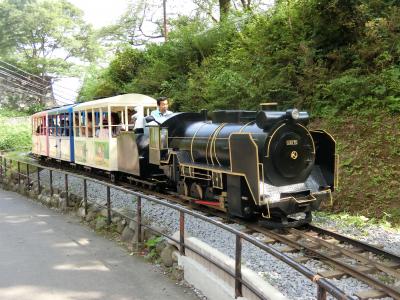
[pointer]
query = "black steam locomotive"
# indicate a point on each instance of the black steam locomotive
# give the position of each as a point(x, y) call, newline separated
point(262, 165)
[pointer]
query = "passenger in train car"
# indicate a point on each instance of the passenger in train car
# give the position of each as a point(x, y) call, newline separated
point(162, 112)
point(116, 124)
point(39, 128)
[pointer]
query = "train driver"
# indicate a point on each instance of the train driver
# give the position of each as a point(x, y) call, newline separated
point(162, 111)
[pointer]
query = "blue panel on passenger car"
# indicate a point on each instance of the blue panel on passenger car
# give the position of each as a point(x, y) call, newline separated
point(67, 129)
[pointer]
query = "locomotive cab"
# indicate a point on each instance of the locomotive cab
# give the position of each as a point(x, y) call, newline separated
point(158, 147)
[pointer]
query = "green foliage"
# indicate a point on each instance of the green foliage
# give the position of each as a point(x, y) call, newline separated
point(347, 219)
point(4, 113)
point(14, 135)
point(152, 243)
point(362, 93)
point(97, 84)
point(41, 35)
point(151, 247)
point(125, 66)
point(335, 23)
point(34, 108)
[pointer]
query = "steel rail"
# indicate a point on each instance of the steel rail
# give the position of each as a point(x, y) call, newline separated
point(362, 245)
point(377, 265)
point(340, 265)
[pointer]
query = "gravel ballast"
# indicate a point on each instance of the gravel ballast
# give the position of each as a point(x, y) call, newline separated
point(288, 281)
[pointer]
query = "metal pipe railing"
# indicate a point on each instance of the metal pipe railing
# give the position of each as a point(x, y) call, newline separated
point(323, 285)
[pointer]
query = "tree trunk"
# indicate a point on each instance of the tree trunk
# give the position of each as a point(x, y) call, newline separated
point(165, 20)
point(224, 6)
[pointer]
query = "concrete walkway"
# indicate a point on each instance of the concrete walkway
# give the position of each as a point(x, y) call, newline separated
point(45, 255)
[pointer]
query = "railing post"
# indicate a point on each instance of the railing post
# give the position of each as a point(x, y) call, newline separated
point(238, 267)
point(38, 180)
point(27, 175)
point(1, 166)
point(51, 183)
point(85, 196)
point(182, 232)
point(139, 220)
point(321, 293)
point(66, 190)
point(108, 206)
point(19, 172)
point(11, 171)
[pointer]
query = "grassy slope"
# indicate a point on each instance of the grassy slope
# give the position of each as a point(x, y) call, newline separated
point(14, 134)
point(369, 170)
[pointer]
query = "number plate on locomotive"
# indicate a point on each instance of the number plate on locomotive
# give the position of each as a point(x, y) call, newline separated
point(292, 142)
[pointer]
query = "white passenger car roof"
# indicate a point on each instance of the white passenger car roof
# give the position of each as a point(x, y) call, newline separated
point(120, 100)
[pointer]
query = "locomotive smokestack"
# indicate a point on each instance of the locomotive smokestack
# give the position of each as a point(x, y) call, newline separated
point(204, 113)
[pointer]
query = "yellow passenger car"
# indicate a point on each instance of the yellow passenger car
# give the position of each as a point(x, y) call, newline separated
point(99, 123)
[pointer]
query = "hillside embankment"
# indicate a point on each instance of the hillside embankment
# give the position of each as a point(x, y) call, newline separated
point(369, 169)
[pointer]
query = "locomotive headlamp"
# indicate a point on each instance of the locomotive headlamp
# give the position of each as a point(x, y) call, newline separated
point(295, 114)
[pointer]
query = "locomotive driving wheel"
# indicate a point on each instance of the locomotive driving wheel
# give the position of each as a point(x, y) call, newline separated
point(182, 188)
point(196, 191)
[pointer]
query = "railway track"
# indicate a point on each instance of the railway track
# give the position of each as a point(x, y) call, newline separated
point(342, 256)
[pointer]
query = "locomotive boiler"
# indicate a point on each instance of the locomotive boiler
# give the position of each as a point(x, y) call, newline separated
point(255, 165)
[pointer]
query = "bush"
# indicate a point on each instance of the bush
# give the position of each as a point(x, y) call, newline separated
point(14, 136)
